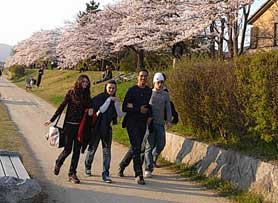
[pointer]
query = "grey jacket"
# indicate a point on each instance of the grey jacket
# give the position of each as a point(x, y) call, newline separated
point(159, 101)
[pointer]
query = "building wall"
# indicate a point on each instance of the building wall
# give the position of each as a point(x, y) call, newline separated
point(263, 28)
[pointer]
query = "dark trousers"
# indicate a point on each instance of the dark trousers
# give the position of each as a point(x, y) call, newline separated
point(106, 141)
point(129, 154)
point(71, 141)
point(39, 80)
point(136, 131)
point(127, 159)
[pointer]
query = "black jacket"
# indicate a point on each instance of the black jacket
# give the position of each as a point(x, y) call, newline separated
point(137, 97)
point(75, 111)
point(103, 122)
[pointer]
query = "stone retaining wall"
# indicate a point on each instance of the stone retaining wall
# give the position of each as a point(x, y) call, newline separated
point(245, 172)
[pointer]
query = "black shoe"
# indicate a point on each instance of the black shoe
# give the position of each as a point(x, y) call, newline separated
point(73, 179)
point(106, 179)
point(140, 180)
point(88, 172)
point(56, 170)
point(121, 172)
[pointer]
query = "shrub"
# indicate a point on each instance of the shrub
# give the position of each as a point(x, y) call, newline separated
point(229, 98)
point(258, 79)
point(16, 71)
point(205, 95)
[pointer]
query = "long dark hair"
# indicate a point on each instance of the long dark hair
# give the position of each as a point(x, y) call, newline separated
point(81, 95)
point(111, 82)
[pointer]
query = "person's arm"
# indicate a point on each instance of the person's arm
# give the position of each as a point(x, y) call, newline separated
point(105, 105)
point(118, 109)
point(128, 104)
point(59, 110)
point(168, 110)
point(61, 107)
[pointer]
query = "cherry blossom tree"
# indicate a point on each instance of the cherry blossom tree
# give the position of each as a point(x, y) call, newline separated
point(149, 25)
point(89, 38)
point(158, 24)
point(40, 46)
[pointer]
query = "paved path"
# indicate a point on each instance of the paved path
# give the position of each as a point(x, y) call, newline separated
point(29, 113)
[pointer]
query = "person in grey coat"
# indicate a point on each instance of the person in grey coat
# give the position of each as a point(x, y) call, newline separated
point(156, 140)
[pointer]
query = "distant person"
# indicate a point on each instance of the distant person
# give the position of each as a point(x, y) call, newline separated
point(30, 82)
point(77, 101)
point(40, 73)
point(83, 68)
point(0, 73)
point(107, 75)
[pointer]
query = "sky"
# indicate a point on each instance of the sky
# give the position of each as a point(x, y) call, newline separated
point(20, 18)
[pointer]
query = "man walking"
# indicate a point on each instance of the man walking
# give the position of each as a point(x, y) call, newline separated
point(136, 105)
point(160, 101)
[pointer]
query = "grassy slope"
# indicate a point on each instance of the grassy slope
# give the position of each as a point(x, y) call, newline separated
point(11, 140)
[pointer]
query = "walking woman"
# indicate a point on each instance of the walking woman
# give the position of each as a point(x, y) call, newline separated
point(77, 100)
point(108, 109)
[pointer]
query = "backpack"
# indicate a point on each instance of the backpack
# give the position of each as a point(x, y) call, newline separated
point(175, 115)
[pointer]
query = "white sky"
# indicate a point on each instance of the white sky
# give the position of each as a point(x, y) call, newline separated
point(20, 18)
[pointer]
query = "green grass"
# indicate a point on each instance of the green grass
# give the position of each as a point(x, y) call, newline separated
point(12, 140)
point(9, 136)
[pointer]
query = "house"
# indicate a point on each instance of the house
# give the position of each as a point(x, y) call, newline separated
point(264, 31)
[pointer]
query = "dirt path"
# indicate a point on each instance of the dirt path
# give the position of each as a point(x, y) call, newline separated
point(29, 112)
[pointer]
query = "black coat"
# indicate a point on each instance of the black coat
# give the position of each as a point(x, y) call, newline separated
point(103, 122)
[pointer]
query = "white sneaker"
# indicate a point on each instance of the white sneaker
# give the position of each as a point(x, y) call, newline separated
point(148, 174)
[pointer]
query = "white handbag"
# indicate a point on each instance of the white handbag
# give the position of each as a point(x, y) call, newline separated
point(55, 135)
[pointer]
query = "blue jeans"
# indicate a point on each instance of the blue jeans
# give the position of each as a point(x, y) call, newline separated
point(106, 141)
point(155, 143)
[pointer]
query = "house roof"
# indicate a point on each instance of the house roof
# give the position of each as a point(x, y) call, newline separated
point(260, 11)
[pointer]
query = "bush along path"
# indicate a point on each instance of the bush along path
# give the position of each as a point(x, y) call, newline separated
point(29, 112)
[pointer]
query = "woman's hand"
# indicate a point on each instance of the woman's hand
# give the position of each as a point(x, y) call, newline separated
point(90, 112)
point(46, 123)
point(115, 99)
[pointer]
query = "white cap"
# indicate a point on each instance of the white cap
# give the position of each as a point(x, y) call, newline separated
point(158, 77)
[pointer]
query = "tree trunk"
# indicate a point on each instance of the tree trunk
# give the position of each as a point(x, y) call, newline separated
point(246, 11)
point(230, 37)
point(235, 40)
point(212, 40)
point(221, 38)
point(140, 59)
